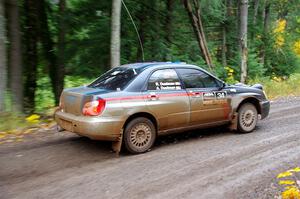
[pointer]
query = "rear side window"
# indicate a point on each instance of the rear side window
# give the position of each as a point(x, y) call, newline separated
point(165, 79)
point(193, 78)
point(116, 78)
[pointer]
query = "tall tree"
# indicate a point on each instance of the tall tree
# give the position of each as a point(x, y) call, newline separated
point(243, 8)
point(256, 4)
point(142, 20)
point(224, 25)
point(31, 61)
point(169, 16)
point(60, 70)
point(15, 55)
point(168, 26)
point(49, 51)
point(266, 21)
point(3, 68)
point(195, 18)
point(115, 41)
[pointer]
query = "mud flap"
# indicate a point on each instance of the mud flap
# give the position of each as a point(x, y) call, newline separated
point(234, 122)
point(117, 145)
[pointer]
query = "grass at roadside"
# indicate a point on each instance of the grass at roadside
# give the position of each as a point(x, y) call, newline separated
point(13, 126)
point(278, 87)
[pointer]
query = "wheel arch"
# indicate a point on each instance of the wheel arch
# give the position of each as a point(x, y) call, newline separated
point(142, 114)
point(251, 100)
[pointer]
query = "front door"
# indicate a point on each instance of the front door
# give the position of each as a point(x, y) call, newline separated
point(208, 103)
point(167, 100)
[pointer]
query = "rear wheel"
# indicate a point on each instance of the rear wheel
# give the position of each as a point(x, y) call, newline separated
point(139, 135)
point(247, 118)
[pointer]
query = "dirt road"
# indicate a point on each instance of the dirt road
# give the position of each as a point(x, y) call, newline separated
point(210, 163)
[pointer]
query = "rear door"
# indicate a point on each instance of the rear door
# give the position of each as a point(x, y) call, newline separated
point(167, 100)
point(208, 103)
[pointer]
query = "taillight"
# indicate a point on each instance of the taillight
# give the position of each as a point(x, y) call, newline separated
point(94, 108)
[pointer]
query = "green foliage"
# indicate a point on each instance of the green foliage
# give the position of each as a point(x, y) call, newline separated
point(255, 67)
point(44, 98)
point(282, 62)
point(276, 87)
point(87, 46)
point(10, 120)
point(88, 33)
point(74, 81)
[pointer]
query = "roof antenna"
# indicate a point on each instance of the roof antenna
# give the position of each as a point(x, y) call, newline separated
point(136, 30)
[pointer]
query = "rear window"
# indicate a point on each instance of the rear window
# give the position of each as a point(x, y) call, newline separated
point(115, 79)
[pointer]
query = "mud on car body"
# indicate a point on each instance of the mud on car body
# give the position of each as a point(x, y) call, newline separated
point(135, 103)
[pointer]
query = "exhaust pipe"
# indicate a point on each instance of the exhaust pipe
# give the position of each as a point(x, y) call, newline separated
point(59, 129)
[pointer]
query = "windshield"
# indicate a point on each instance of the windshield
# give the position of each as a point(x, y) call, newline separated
point(115, 79)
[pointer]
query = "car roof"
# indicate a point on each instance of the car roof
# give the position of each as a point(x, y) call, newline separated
point(145, 65)
point(155, 65)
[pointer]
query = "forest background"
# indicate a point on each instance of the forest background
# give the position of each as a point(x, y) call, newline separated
point(48, 45)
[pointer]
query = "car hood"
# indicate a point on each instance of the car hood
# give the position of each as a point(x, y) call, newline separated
point(240, 88)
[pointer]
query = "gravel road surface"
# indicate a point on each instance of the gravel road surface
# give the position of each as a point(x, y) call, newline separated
point(211, 163)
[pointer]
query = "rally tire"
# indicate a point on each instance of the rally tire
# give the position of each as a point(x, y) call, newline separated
point(139, 135)
point(247, 118)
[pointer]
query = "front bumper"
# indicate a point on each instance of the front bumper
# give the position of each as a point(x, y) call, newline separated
point(97, 128)
point(265, 109)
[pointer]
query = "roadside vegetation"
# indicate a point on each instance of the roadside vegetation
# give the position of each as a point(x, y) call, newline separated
point(290, 183)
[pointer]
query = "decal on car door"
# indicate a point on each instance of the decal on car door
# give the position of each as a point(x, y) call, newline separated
point(214, 97)
point(168, 85)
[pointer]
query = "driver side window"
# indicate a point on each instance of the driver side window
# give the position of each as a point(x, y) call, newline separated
point(193, 78)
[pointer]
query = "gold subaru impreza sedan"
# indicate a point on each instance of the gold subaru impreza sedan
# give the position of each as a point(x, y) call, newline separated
point(135, 103)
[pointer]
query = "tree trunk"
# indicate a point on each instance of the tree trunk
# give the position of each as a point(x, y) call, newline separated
point(195, 18)
point(115, 42)
point(266, 21)
point(48, 50)
point(256, 4)
point(243, 38)
point(3, 68)
point(155, 54)
point(31, 61)
point(266, 17)
point(229, 7)
point(15, 56)
point(228, 12)
point(142, 19)
point(60, 69)
point(199, 20)
point(168, 27)
point(224, 47)
point(229, 47)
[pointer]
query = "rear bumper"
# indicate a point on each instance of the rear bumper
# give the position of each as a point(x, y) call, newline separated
point(97, 128)
point(265, 109)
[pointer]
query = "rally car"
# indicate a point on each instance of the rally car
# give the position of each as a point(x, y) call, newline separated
point(135, 103)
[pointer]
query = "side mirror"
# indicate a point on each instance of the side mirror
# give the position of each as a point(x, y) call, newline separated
point(222, 85)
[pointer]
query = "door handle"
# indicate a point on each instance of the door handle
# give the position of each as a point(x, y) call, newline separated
point(153, 96)
point(195, 94)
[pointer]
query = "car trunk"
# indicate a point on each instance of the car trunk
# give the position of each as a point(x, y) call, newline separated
point(73, 100)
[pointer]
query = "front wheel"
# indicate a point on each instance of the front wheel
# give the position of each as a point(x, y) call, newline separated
point(247, 118)
point(139, 135)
